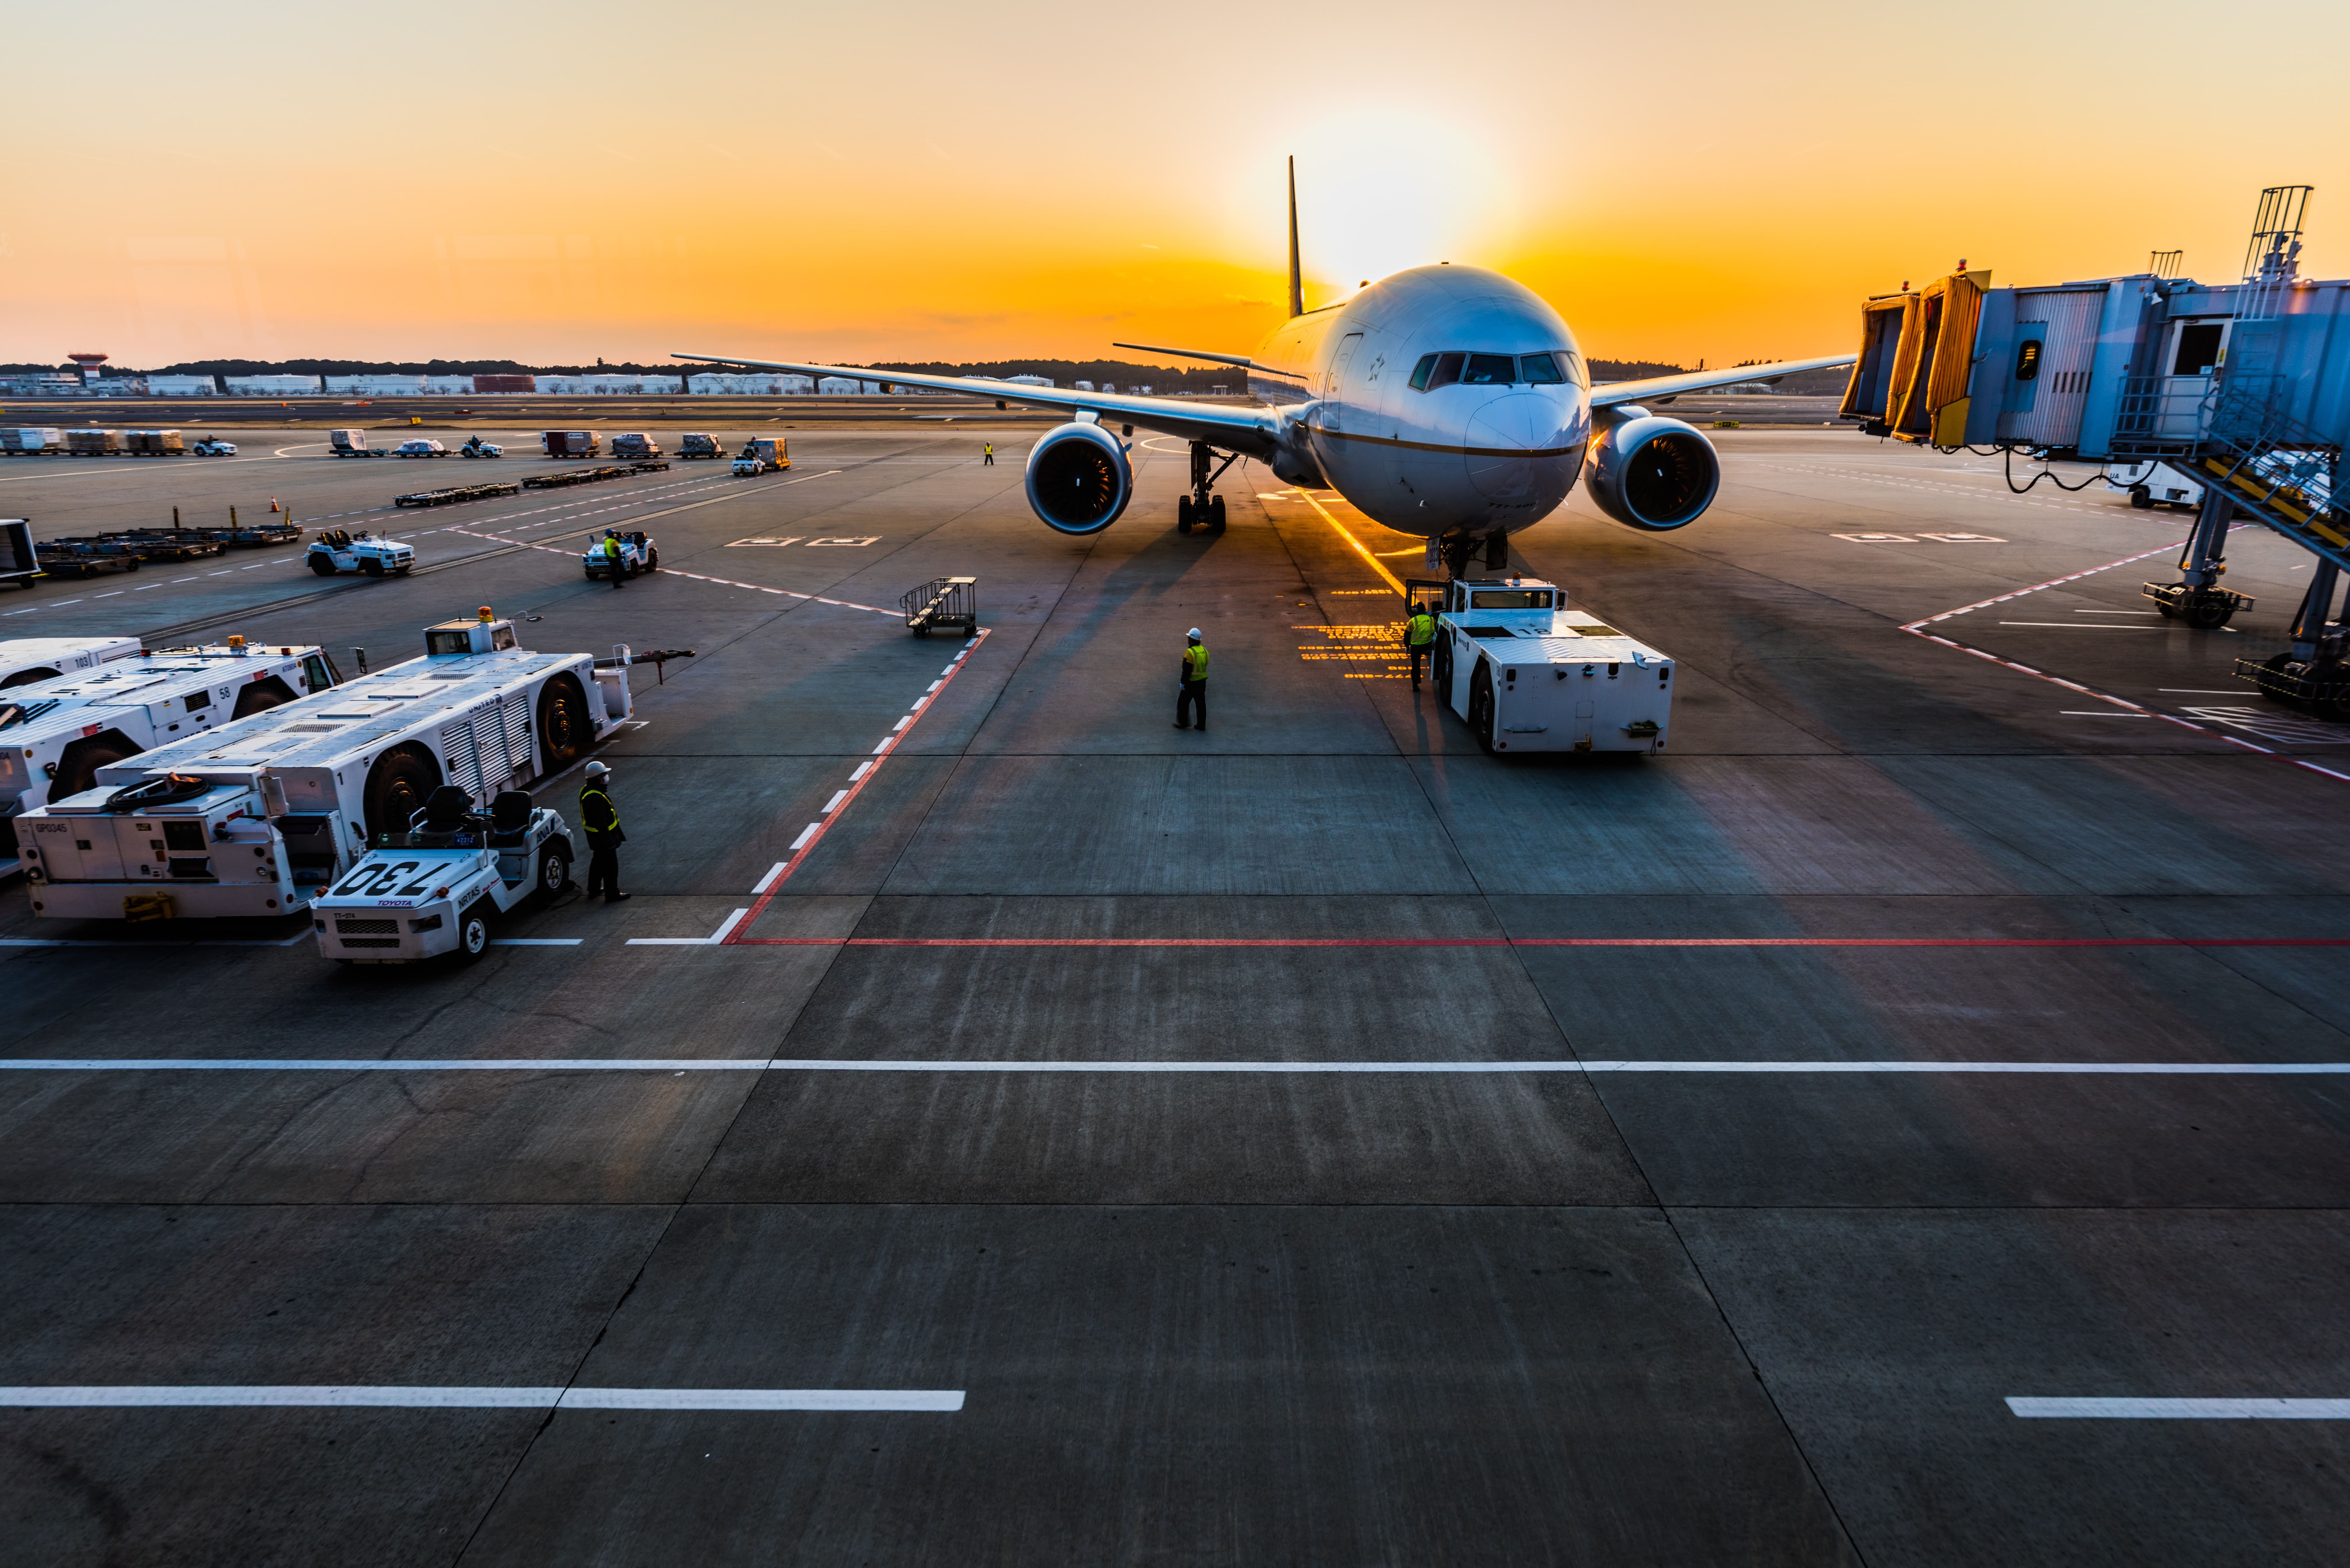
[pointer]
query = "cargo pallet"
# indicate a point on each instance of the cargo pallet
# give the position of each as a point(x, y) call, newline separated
point(454, 494)
point(591, 475)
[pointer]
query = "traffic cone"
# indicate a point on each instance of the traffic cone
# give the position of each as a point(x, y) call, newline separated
point(274, 506)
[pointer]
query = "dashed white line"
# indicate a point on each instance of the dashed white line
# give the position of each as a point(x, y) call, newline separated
point(805, 833)
point(831, 806)
point(769, 879)
point(2060, 1407)
point(449, 1397)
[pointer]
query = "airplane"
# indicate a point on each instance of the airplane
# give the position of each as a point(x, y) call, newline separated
point(1445, 401)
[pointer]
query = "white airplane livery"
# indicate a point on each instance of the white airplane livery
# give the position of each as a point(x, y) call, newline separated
point(1445, 401)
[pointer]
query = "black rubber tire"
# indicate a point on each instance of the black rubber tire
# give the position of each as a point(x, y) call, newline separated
point(130, 564)
point(396, 787)
point(2209, 616)
point(260, 696)
point(553, 873)
point(2164, 608)
point(78, 763)
point(324, 566)
point(652, 560)
point(402, 571)
point(1440, 668)
point(566, 729)
point(2141, 498)
point(1215, 514)
point(1183, 515)
point(372, 569)
point(473, 932)
point(1481, 707)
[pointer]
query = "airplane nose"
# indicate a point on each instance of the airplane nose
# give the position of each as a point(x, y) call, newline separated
point(1504, 438)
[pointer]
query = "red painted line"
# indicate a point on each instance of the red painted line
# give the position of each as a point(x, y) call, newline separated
point(1536, 941)
point(888, 749)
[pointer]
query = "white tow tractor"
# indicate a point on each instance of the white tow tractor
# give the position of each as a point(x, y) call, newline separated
point(2154, 483)
point(477, 447)
point(340, 550)
point(1528, 674)
point(24, 659)
point(213, 446)
point(431, 889)
point(638, 555)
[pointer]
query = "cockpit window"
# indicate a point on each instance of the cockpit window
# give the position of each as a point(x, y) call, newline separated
point(1540, 369)
point(1437, 371)
point(1560, 367)
point(1489, 370)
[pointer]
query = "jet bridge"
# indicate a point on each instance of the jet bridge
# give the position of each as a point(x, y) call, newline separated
point(2243, 385)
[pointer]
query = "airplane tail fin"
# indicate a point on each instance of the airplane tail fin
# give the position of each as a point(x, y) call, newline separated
point(1296, 278)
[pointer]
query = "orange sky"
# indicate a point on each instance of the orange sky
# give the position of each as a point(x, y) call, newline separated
point(555, 182)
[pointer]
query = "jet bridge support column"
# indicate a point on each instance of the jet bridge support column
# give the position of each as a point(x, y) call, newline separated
point(2198, 599)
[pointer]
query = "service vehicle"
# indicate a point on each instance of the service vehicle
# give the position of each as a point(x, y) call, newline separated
point(421, 447)
point(154, 443)
point(26, 441)
point(749, 467)
point(1527, 674)
point(429, 889)
point(54, 735)
point(24, 659)
point(340, 550)
point(635, 443)
point(264, 815)
point(568, 443)
point(213, 446)
point(20, 559)
point(2154, 483)
point(769, 449)
point(476, 447)
point(354, 443)
point(700, 443)
point(638, 555)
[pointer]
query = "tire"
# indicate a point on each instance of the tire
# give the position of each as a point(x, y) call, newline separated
point(260, 696)
point(78, 763)
point(553, 873)
point(396, 787)
point(473, 932)
point(1441, 670)
point(2164, 608)
point(403, 571)
point(324, 566)
point(2209, 616)
point(26, 677)
point(566, 729)
point(372, 569)
point(1481, 707)
point(1184, 515)
point(2141, 498)
point(132, 565)
point(1215, 514)
point(652, 560)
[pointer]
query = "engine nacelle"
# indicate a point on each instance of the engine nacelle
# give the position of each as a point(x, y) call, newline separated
point(1651, 473)
point(1078, 479)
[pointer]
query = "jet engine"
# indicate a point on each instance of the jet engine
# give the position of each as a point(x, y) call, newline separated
point(1078, 479)
point(1651, 473)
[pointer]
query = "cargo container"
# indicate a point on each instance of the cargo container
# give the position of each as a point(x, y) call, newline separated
point(19, 562)
point(154, 443)
point(769, 449)
point(635, 443)
point(94, 443)
point(568, 443)
point(28, 441)
point(354, 443)
point(700, 443)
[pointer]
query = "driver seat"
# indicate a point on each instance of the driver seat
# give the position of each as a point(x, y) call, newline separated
point(442, 818)
point(510, 819)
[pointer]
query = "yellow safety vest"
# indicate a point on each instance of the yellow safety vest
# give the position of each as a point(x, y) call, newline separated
point(1195, 661)
point(612, 550)
point(1421, 629)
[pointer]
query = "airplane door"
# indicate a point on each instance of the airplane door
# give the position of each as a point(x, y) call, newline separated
point(1333, 389)
point(2196, 350)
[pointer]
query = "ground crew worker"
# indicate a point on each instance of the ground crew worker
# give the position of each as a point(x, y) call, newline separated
point(612, 558)
point(604, 835)
point(987, 455)
point(1419, 637)
point(1193, 691)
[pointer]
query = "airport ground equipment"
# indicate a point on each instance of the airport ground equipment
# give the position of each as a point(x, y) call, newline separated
point(84, 558)
point(94, 443)
point(340, 550)
point(1527, 674)
point(2153, 482)
point(772, 450)
point(26, 660)
point(2242, 388)
point(942, 604)
point(431, 889)
point(569, 443)
point(449, 494)
point(635, 444)
point(54, 735)
point(28, 440)
point(421, 447)
point(172, 543)
point(213, 446)
point(638, 555)
point(476, 447)
point(699, 443)
point(154, 443)
point(265, 814)
point(748, 467)
point(571, 476)
point(354, 443)
point(20, 560)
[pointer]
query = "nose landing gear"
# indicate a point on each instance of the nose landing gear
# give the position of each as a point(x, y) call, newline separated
point(1202, 508)
point(1458, 547)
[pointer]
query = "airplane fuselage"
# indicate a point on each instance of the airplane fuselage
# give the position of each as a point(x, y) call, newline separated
point(1441, 398)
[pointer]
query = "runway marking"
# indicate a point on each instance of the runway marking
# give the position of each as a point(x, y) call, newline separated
point(2060, 1407)
point(804, 844)
point(677, 1064)
point(535, 941)
point(1558, 941)
point(458, 1397)
point(769, 879)
point(715, 938)
point(1357, 545)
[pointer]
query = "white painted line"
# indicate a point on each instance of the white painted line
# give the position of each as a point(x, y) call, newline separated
point(884, 745)
point(63, 602)
point(711, 941)
point(901, 723)
point(148, 589)
point(446, 1397)
point(2099, 713)
point(535, 941)
point(108, 596)
point(831, 806)
point(934, 685)
point(805, 833)
point(2083, 626)
point(769, 879)
point(861, 768)
point(933, 1065)
point(2039, 1408)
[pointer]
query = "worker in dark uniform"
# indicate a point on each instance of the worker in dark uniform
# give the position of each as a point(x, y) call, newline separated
point(987, 455)
point(1193, 691)
point(604, 835)
point(1419, 637)
point(612, 559)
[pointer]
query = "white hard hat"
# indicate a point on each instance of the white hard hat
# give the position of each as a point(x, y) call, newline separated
point(1193, 634)
point(596, 770)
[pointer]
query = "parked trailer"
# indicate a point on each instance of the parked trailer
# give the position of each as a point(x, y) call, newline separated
point(572, 476)
point(94, 443)
point(354, 443)
point(28, 441)
point(154, 443)
point(1527, 674)
point(161, 544)
point(635, 444)
point(20, 561)
point(260, 816)
point(449, 494)
point(568, 443)
point(700, 443)
point(26, 660)
point(84, 558)
point(54, 735)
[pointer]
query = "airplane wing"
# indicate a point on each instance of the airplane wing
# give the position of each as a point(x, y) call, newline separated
point(1254, 431)
point(1615, 393)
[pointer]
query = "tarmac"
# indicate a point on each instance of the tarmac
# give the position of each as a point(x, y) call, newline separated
point(1004, 1127)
